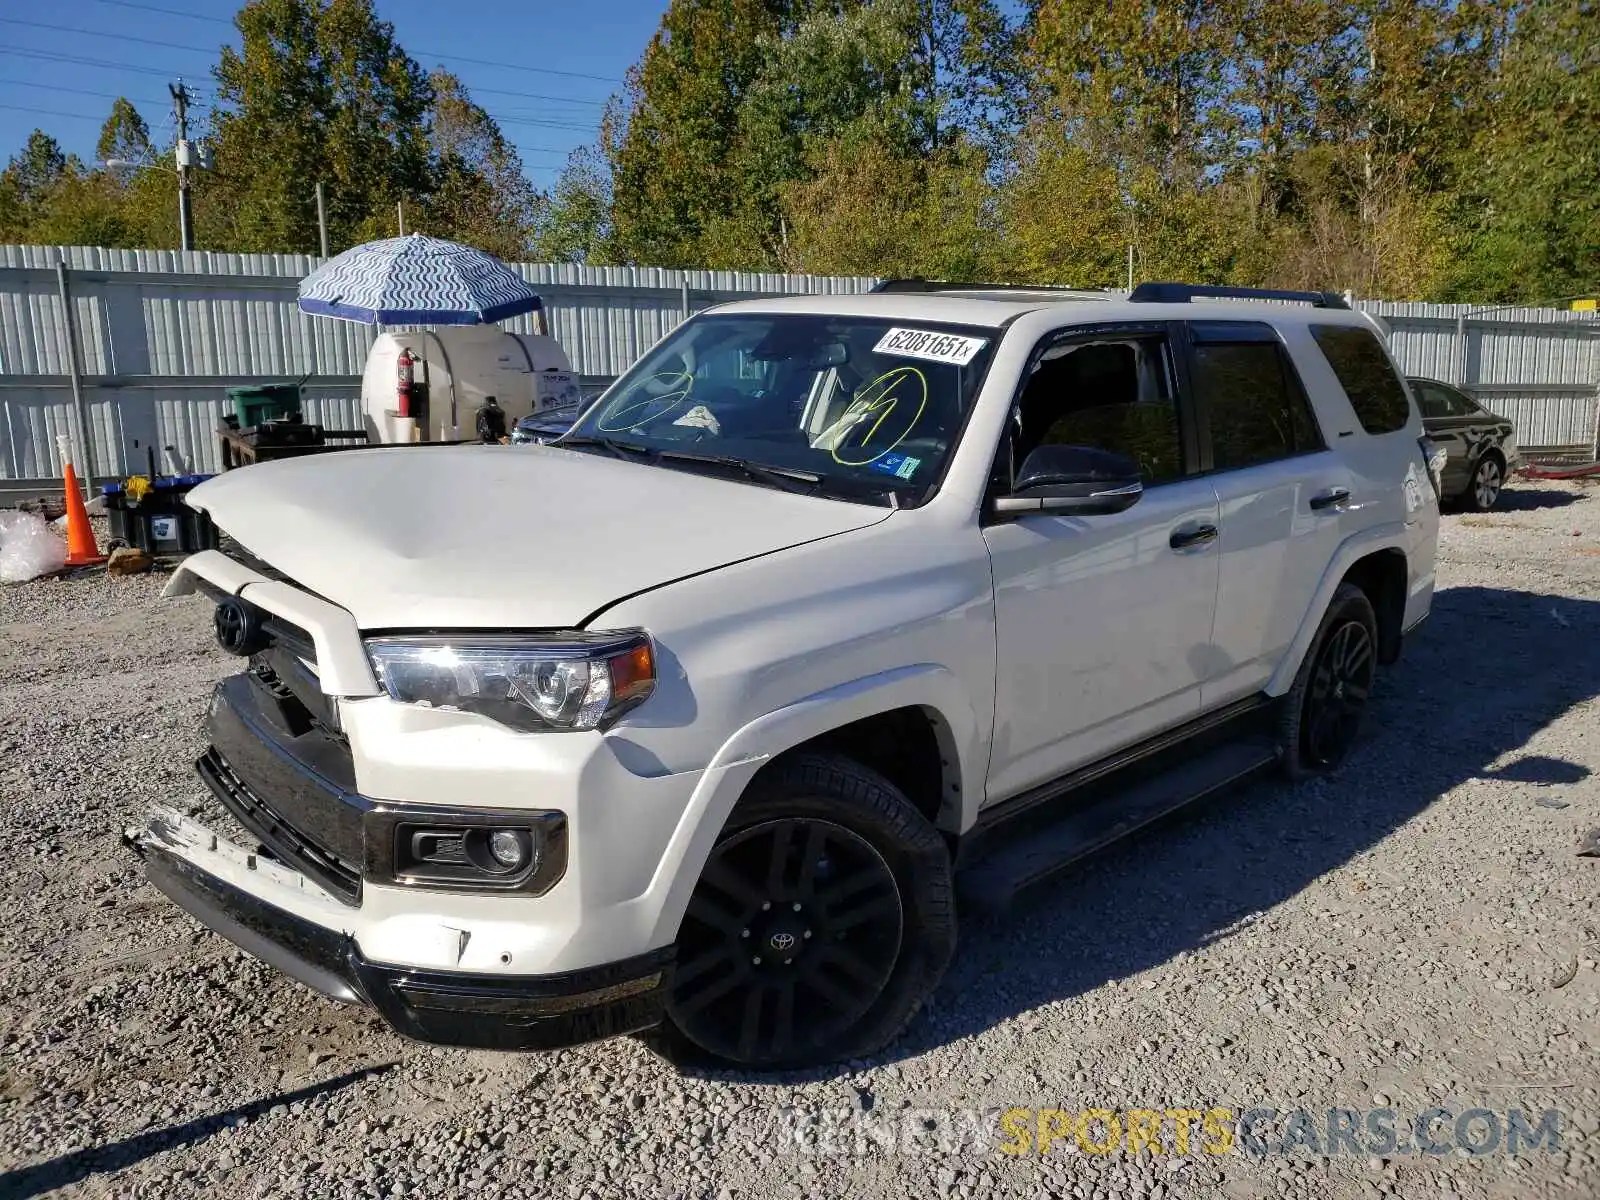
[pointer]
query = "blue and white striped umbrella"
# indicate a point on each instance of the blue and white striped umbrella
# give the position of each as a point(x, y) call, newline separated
point(416, 280)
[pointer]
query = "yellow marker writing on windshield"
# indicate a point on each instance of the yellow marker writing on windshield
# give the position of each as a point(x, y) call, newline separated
point(879, 399)
point(619, 416)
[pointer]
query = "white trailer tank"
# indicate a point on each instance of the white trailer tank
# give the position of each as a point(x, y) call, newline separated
point(457, 369)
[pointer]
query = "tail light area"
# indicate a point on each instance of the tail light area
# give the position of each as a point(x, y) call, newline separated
point(1433, 455)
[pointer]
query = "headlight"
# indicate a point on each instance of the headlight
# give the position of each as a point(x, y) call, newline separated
point(560, 681)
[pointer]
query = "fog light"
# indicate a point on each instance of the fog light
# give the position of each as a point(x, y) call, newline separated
point(509, 848)
point(466, 849)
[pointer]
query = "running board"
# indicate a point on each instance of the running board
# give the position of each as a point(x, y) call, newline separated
point(990, 885)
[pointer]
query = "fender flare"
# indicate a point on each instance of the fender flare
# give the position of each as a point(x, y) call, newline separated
point(752, 746)
point(1388, 536)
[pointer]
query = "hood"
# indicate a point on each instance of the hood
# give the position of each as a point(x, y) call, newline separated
point(473, 537)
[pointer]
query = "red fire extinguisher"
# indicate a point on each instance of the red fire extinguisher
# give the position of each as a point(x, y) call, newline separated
point(404, 370)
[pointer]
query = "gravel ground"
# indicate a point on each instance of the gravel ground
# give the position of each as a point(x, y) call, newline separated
point(1417, 931)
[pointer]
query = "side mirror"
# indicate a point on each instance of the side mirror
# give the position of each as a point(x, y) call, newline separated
point(1073, 481)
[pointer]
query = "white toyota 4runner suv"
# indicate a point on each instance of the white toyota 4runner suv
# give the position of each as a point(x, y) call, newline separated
point(833, 615)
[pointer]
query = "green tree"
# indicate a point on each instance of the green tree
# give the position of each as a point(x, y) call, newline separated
point(39, 167)
point(1137, 85)
point(671, 155)
point(27, 183)
point(318, 90)
point(738, 105)
point(1529, 210)
point(836, 79)
point(481, 195)
point(573, 224)
point(124, 137)
point(870, 209)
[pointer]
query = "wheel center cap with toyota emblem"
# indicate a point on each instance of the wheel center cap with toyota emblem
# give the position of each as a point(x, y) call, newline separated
point(782, 942)
point(238, 626)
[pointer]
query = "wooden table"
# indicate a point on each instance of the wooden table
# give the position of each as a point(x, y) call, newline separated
point(240, 448)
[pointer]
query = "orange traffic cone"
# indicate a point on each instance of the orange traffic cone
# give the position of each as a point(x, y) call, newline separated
point(82, 549)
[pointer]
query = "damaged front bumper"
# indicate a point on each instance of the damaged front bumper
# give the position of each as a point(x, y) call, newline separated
point(282, 918)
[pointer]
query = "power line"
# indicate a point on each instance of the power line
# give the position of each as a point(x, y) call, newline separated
point(473, 90)
point(572, 125)
point(56, 56)
point(511, 66)
point(214, 50)
point(52, 112)
point(53, 56)
point(171, 12)
point(71, 116)
point(482, 62)
point(115, 37)
point(508, 118)
point(56, 87)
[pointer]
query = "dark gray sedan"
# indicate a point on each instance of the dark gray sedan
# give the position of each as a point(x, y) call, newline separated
point(1481, 445)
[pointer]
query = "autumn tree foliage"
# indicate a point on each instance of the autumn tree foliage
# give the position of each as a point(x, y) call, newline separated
point(1438, 149)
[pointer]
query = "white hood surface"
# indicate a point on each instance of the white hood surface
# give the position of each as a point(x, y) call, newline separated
point(477, 537)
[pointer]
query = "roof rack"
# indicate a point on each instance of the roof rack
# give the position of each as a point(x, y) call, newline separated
point(1182, 293)
point(917, 284)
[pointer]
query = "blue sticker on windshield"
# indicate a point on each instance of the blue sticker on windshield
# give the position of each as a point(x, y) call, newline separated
point(902, 466)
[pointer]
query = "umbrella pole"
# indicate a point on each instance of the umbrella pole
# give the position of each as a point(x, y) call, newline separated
point(455, 419)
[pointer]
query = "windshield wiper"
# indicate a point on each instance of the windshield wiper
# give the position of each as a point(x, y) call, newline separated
point(787, 478)
point(623, 450)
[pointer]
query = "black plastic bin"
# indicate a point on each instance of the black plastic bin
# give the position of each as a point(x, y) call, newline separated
point(159, 522)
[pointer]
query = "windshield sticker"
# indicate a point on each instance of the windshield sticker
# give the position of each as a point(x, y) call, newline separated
point(935, 347)
point(700, 417)
point(902, 466)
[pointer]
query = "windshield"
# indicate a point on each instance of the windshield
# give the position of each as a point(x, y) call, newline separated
point(859, 408)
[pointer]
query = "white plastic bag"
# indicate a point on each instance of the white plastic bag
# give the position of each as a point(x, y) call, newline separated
point(28, 547)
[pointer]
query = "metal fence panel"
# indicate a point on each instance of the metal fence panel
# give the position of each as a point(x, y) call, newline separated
point(162, 333)
point(1544, 417)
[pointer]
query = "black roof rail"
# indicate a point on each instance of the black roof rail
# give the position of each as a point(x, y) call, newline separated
point(918, 284)
point(1182, 293)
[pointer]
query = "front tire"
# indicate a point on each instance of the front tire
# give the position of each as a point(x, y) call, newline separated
point(824, 917)
point(1322, 712)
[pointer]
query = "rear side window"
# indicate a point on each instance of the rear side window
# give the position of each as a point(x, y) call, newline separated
point(1436, 400)
point(1255, 407)
point(1375, 391)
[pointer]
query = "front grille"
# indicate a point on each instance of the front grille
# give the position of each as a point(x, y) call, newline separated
point(286, 843)
point(296, 691)
point(288, 781)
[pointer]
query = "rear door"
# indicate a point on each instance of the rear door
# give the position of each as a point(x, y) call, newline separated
point(1283, 497)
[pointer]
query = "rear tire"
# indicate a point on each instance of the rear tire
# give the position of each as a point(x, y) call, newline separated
point(1488, 481)
point(1322, 712)
point(824, 918)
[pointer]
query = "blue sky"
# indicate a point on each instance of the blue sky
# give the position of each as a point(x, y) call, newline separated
point(542, 68)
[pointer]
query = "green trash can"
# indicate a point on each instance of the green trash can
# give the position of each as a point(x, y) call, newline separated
point(265, 402)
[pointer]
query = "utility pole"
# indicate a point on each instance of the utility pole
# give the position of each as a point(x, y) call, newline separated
point(322, 221)
point(185, 156)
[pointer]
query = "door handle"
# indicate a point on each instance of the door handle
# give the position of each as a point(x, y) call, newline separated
point(1186, 536)
point(1336, 497)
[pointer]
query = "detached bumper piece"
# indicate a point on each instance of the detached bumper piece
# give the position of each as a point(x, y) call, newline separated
point(447, 1008)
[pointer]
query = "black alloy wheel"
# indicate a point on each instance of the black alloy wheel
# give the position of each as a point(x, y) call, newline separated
point(789, 941)
point(1341, 682)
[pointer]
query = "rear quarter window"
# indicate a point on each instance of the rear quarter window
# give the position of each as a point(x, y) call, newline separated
point(1375, 391)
